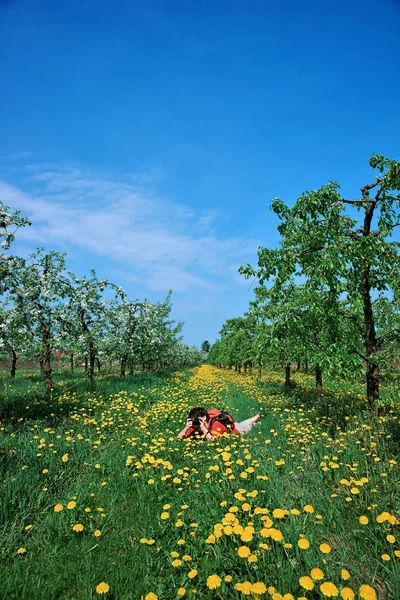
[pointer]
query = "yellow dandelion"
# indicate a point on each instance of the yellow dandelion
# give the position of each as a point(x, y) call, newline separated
point(317, 574)
point(65, 459)
point(366, 592)
point(325, 548)
point(306, 583)
point(21, 550)
point(102, 588)
point(363, 520)
point(344, 574)
point(78, 527)
point(58, 508)
point(181, 591)
point(213, 582)
point(347, 593)
point(244, 551)
point(308, 508)
point(192, 574)
point(71, 505)
point(329, 589)
point(258, 588)
point(303, 543)
point(246, 536)
point(151, 596)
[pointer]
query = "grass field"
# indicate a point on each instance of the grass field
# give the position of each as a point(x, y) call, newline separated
point(99, 498)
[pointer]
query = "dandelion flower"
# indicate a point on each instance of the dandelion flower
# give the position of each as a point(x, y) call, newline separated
point(363, 520)
point(344, 574)
point(258, 588)
point(58, 508)
point(325, 548)
point(391, 539)
point(97, 533)
point(303, 543)
point(366, 592)
point(246, 536)
point(347, 593)
point(213, 582)
point(317, 574)
point(78, 527)
point(244, 551)
point(65, 459)
point(151, 596)
point(329, 589)
point(102, 588)
point(308, 508)
point(71, 505)
point(192, 574)
point(181, 591)
point(385, 557)
point(21, 551)
point(306, 583)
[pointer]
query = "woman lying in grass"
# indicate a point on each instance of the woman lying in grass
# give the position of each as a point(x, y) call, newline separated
point(212, 423)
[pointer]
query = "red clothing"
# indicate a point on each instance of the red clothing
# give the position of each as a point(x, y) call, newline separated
point(216, 429)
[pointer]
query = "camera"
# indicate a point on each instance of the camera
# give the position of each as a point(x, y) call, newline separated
point(196, 422)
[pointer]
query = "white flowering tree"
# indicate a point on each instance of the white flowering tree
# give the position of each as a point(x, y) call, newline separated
point(9, 223)
point(37, 288)
point(15, 337)
point(89, 316)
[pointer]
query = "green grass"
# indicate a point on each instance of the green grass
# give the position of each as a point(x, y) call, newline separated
point(123, 458)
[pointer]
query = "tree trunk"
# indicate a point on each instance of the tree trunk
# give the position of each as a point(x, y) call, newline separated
point(370, 342)
point(239, 368)
point(92, 357)
point(318, 379)
point(46, 357)
point(71, 362)
point(98, 363)
point(131, 367)
point(85, 364)
point(123, 367)
point(287, 377)
point(259, 372)
point(298, 365)
point(13, 362)
point(41, 366)
point(143, 367)
point(306, 367)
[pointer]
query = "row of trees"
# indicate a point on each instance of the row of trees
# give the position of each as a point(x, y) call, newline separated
point(46, 307)
point(329, 296)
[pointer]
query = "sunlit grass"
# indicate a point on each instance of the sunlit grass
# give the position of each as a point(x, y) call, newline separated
point(97, 490)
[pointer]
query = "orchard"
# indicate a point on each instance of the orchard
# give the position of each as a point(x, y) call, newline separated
point(98, 496)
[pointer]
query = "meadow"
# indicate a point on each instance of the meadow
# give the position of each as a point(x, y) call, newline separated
point(100, 500)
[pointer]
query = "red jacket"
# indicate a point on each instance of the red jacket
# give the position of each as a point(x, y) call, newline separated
point(216, 429)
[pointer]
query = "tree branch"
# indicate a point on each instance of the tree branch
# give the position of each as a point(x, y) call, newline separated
point(383, 335)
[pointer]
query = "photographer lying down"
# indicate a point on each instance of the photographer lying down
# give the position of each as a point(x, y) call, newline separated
point(212, 423)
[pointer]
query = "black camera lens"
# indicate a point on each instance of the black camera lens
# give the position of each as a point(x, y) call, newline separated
point(196, 421)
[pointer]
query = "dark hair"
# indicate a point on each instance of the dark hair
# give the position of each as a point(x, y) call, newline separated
point(198, 411)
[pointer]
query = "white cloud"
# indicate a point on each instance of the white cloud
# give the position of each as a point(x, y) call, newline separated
point(164, 244)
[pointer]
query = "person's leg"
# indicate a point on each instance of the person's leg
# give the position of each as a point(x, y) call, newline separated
point(245, 426)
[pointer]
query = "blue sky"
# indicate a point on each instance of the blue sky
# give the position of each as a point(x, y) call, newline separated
point(146, 139)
